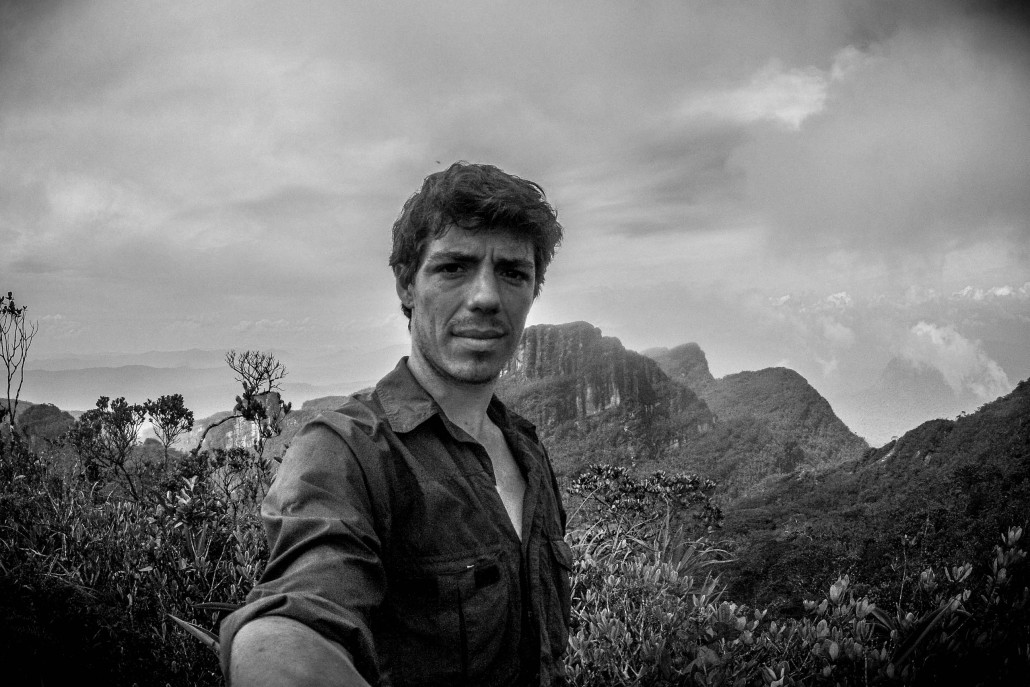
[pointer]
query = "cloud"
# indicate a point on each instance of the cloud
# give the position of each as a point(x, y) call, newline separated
point(784, 96)
point(829, 367)
point(964, 364)
point(996, 292)
point(58, 327)
point(837, 334)
point(841, 300)
point(917, 161)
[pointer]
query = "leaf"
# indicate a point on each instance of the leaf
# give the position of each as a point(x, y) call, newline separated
point(217, 606)
point(882, 619)
point(206, 637)
point(919, 633)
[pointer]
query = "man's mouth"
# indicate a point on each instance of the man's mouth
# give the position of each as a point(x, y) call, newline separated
point(479, 333)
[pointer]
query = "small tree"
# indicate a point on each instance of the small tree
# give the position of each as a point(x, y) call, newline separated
point(105, 436)
point(171, 419)
point(260, 374)
point(16, 334)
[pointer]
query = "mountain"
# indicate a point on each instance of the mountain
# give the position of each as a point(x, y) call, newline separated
point(686, 364)
point(592, 400)
point(940, 493)
point(193, 357)
point(41, 421)
point(767, 423)
point(783, 399)
point(44, 420)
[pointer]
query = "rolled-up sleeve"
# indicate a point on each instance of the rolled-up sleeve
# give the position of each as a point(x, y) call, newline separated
point(324, 568)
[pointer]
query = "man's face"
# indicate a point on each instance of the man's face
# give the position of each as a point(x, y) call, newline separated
point(469, 301)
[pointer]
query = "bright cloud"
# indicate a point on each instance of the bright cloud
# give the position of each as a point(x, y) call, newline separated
point(978, 294)
point(785, 96)
point(964, 364)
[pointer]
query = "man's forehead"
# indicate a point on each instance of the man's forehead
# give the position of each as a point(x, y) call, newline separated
point(502, 243)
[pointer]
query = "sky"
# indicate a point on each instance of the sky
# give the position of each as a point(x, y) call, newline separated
point(822, 185)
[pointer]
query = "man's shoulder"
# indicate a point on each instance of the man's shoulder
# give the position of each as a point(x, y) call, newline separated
point(359, 413)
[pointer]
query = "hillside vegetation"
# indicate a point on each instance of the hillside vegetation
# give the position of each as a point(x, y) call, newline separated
point(938, 494)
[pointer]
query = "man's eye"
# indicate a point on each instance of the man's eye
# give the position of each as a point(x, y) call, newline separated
point(516, 275)
point(451, 268)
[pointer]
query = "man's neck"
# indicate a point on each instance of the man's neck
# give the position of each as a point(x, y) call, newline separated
point(464, 404)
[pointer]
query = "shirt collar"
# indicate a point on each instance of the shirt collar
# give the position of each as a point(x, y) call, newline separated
point(406, 405)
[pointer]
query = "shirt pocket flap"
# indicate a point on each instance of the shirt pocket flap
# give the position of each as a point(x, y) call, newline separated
point(562, 553)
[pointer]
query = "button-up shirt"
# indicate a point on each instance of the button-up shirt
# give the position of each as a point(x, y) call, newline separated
point(387, 535)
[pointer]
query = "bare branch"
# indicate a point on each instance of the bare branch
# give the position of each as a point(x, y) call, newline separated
point(16, 334)
point(257, 371)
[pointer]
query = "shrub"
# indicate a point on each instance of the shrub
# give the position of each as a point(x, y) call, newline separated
point(648, 614)
point(98, 576)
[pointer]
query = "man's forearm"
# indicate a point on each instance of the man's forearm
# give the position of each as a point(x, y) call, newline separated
point(274, 651)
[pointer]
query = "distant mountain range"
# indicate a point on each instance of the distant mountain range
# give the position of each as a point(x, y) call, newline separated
point(201, 376)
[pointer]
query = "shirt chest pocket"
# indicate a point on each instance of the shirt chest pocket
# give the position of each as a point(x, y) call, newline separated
point(450, 622)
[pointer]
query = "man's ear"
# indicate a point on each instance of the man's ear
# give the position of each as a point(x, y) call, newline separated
point(404, 292)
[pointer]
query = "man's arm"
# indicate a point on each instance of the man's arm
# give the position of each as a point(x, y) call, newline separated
point(324, 576)
point(274, 651)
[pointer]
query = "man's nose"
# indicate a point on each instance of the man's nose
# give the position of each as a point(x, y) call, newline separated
point(485, 293)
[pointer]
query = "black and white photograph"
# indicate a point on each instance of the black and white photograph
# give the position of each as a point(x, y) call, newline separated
point(412, 343)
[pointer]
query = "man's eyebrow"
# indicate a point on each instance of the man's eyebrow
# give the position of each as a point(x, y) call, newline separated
point(465, 258)
point(451, 256)
point(520, 263)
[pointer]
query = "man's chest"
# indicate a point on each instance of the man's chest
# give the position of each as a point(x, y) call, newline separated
point(447, 497)
point(509, 481)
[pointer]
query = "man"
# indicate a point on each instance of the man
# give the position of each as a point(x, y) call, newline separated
point(417, 534)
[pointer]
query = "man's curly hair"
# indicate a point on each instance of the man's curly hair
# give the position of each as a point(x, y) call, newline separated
point(473, 197)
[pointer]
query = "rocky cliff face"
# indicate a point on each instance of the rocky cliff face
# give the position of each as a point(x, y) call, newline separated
point(596, 400)
point(584, 373)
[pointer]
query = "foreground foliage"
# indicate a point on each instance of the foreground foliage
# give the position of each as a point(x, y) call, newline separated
point(649, 609)
point(88, 578)
point(91, 575)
